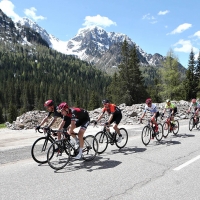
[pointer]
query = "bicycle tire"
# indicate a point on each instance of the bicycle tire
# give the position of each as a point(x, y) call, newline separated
point(90, 148)
point(159, 135)
point(176, 128)
point(165, 129)
point(58, 155)
point(146, 135)
point(198, 125)
point(191, 123)
point(124, 141)
point(39, 149)
point(102, 140)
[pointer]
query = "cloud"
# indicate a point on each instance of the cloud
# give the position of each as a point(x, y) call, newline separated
point(197, 34)
point(98, 21)
point(181, 28)
point(148, 17)
point(185, 46)
point(163, 12)
point(8, 8)
point(31, 13)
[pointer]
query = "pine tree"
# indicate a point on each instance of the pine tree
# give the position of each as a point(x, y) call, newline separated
point(190, 82)
point(170, 76)
point(130, 77)
point(2, 120)
point(12, 112)
point(93, 103)
point(197, 75)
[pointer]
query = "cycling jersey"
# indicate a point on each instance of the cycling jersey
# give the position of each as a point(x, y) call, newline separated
point(112, 109)
point(170, 108)
point(55, 113)
point(152, 109)
point(194, 105)
point(79, 115)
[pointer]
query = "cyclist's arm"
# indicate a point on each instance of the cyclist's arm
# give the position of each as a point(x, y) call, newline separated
point(110, 118)
point(61, 125)
point(100, 116)
point(164, 111)
point(142, 115)
point(43, 121)
point(52, 121)
point(72, 127)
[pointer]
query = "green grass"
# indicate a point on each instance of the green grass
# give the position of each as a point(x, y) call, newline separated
point(2, 126)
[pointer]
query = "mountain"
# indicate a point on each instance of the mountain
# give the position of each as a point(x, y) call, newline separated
point(18, 34)
point(94, 45)
point(91, 44)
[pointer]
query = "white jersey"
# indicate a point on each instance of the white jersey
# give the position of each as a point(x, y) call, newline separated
point(152, 109)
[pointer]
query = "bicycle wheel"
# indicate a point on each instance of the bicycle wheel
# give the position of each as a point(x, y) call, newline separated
point(191, 123)
point(102, 140)
point(176, 127)
point(198, 125)
point(90, 148)
point(159, 134)
point(165, 129)
point(124, 141)
point(146, 135)
point(58, 155)
point(39, 149)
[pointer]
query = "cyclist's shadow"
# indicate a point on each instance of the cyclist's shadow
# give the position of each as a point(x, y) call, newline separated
point(127, 150)
point(100, 162)
point(97, 164)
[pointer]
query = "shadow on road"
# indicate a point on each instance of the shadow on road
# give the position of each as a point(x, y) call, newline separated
point(100, 162)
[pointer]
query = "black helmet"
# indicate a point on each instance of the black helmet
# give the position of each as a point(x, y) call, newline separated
point(105, 101)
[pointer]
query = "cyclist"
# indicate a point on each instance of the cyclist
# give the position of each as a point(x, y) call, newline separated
point(196, 107)
point(115, 116)
point(79, 118)
point(49, 104)
point(172, 110)
point(154, 114)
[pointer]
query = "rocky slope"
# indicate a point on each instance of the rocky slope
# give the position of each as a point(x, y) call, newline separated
point(130, 114)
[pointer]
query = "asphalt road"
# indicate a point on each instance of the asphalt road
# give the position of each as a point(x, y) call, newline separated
point(165, 170)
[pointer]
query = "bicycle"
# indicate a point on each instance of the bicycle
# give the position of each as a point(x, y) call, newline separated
point(194, 121)
point(60, 152)
point(41, 145)
point(149, 131)
point(105, 137)
point(169, 127)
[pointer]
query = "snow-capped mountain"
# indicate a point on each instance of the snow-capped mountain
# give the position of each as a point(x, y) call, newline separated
point(95, 45)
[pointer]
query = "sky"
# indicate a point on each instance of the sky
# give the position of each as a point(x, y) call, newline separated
point(157, 26)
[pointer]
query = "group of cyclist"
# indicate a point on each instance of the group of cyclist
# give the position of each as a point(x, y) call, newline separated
point(73, 117)
point(170, 108)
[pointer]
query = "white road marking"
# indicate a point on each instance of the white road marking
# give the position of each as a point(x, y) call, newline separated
point(187, 163)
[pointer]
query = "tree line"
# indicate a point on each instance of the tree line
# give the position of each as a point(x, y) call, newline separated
point(29, 75)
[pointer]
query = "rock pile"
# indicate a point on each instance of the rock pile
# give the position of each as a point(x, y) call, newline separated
point(130, 114)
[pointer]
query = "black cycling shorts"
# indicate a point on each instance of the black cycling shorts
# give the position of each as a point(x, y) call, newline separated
point(116, 119)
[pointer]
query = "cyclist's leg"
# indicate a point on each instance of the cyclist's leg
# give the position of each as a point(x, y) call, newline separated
point(116, 120)
point(81, 132)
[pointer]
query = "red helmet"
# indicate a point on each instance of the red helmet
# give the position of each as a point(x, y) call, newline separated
point(194, 100)
point(62, 106)
point(48, 103)
point(148, 101)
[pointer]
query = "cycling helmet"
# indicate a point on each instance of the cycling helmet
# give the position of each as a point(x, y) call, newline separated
point(148, 101)
point(168, 100)
point(194, 100)
point(105, 101)
point(62, 106)
point(48, 103)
